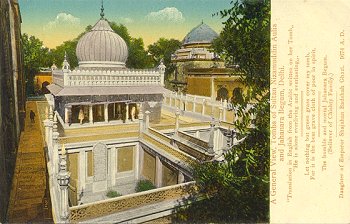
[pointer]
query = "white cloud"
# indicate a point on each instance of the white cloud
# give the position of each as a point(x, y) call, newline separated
point(168, 14)
point(126, 20)
point(63, 20)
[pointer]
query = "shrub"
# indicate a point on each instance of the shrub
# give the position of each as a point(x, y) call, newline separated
point(144, 185)
point(113, 194)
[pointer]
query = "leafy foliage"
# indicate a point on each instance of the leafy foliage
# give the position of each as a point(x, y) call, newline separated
point(162, 49)
point(113, 194)
point(237, 190)
point(35, 56)
point(144, 185)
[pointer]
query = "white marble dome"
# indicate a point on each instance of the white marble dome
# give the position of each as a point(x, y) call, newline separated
point(102, 48)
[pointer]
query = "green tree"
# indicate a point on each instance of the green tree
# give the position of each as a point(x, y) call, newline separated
point(137, 55)
point(237, 190)
point(35, 56)
point(68, 47)
point(163, 49)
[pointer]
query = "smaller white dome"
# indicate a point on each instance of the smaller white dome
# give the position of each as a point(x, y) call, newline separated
point(102, 47)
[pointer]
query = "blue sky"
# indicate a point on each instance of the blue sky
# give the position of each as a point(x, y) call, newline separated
point(54, 21)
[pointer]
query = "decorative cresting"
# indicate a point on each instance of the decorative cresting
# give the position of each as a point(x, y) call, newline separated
point(201, 34)
point(110, 206)
point(102, 47)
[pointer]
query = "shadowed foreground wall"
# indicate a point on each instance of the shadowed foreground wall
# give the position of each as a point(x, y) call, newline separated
point(12, 97)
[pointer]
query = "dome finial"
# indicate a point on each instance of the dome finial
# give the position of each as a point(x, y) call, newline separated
point(102, 9)
point(202, 21)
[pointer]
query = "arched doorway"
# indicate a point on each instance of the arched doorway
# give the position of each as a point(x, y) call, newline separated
point(44, 90)
point(222, 94)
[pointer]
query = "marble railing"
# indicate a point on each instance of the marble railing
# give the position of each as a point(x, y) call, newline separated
point(221, 110)
point(106, 207)
point(168, 148)
point(125, 77)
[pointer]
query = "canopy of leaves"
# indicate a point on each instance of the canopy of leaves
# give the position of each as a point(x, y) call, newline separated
point(237, 190)
point(35, 56)
point(163, 49)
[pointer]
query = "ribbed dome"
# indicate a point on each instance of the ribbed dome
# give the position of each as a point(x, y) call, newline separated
point(200, 34)
point(101, 47)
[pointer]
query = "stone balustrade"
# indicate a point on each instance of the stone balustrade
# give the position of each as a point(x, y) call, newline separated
point(110, 206)
point(221, 110)
point(127, 77)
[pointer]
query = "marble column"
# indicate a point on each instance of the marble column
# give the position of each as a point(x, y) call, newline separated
point(220, 113)
point(46, 125)
point(212, 88)
point(66, 115)
point(114, 110)
point(180, 178)
point(211, 136)
point(50, 125)
point(203, 107)
point(147, 120)
point(113, 165)
point(91, 115)
point(82, 171)
point(194, 105)
point(159, 172)
point(180, 101)
point(141, 158)
point(126, 112)
point(177, 122)
point(197, 135)
point(63, 179)
point(141, 127)
point(106, 112)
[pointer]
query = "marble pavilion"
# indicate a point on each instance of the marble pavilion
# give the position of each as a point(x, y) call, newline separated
point(102, 89)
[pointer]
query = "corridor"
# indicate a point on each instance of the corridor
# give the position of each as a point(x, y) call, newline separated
point(28, 201)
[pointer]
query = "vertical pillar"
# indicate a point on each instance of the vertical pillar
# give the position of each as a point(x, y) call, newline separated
point(177, 122)
point(114, 110)
point(220, 113)
point(50, 125)
point(66, 115)
point(180, 101)
point(180, 178)
point(212, 88)
point(113, 165)
point(197, 135)
point(194, 105)
point(159, 172)
point(203, 107)
point(211, 136)
point(141, 127)
point(82, 171)
point(141, 158)
point(46, 125)
point(224, 114)
point(106, 112)
point(147, 120)
point(126, 112)
point(63, 181)
point(91, 116)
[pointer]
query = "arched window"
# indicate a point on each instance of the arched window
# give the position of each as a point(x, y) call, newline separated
point(222, 94)
point(44, 90)
point(237, 95)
